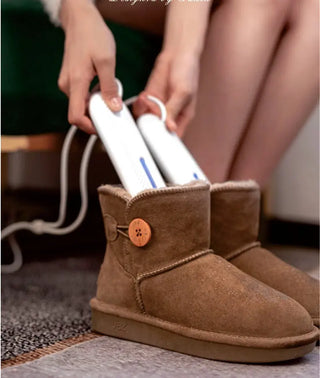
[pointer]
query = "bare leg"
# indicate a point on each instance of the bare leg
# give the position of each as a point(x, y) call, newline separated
point(289, 94)
point(241, 40)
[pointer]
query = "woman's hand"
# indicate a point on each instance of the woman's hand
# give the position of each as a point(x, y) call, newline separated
point(89, 51)
point(174, 80)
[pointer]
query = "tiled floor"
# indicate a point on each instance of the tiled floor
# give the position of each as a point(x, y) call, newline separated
point(109, 357)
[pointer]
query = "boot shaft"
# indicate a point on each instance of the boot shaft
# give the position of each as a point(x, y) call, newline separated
point(235, 209)
point(160, 284)
point(157, 227)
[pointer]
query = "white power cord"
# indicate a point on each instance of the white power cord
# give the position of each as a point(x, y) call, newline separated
point(17, 256)
point(39, 226)
point(35, 225)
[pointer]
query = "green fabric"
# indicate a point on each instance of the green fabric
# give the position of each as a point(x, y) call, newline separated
point(32, 50)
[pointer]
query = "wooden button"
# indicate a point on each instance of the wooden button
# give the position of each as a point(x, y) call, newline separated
point(139, 232)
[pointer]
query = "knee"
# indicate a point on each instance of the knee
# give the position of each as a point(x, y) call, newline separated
point(305, 16)
point(309, 10)
point(277, 5)
point(306, 6)
point(313, 19)
point(276, 11)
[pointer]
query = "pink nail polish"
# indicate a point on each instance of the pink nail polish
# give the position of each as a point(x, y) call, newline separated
point(172, 125)
point(116, 103)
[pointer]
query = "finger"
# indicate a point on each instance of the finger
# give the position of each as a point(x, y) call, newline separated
point(184, 118)
point(77, 105)
point(63, 83)
point(144, 105)
point(87, 126)
point(96, 88)
point(139, 107)
point(63, 80)
point(157, 86)
point(175, 105)
point(151, 106)
point(109, 90)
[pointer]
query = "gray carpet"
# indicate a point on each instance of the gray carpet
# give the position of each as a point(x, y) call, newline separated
point(46, 302)
point(113, 358)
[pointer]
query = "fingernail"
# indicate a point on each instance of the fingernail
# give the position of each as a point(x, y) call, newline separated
point(116, 104)
point(171, 125)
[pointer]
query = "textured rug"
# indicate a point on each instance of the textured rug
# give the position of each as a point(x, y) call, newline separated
point(107, 357)
point(47, 302)
point(45, 306)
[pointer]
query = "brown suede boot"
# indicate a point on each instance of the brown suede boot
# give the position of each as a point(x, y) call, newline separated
point(160, 284)
point(235, 208)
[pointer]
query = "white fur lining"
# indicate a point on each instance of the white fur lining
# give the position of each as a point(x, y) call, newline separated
point(120, 191)
point(52, 7)
point(234, 185)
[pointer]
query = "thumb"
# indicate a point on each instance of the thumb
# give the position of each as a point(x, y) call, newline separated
point(139, 106)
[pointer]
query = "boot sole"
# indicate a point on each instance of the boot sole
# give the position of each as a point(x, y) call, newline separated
point(143, 332)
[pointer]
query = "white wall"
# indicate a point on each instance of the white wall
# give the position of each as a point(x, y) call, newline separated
point(294, 191)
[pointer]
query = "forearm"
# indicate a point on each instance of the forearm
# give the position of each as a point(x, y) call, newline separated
point(186, 26)
point(54, 7)
point(73, 10)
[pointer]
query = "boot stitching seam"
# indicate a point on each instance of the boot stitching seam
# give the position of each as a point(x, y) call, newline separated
point(139, 297)
point(221, 332)
point(164, 192)
point(241, 250)
point(176, 264)
point(164, 269)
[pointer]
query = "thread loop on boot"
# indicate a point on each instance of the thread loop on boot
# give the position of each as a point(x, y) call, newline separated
point(113, 229)
point(120, 228)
